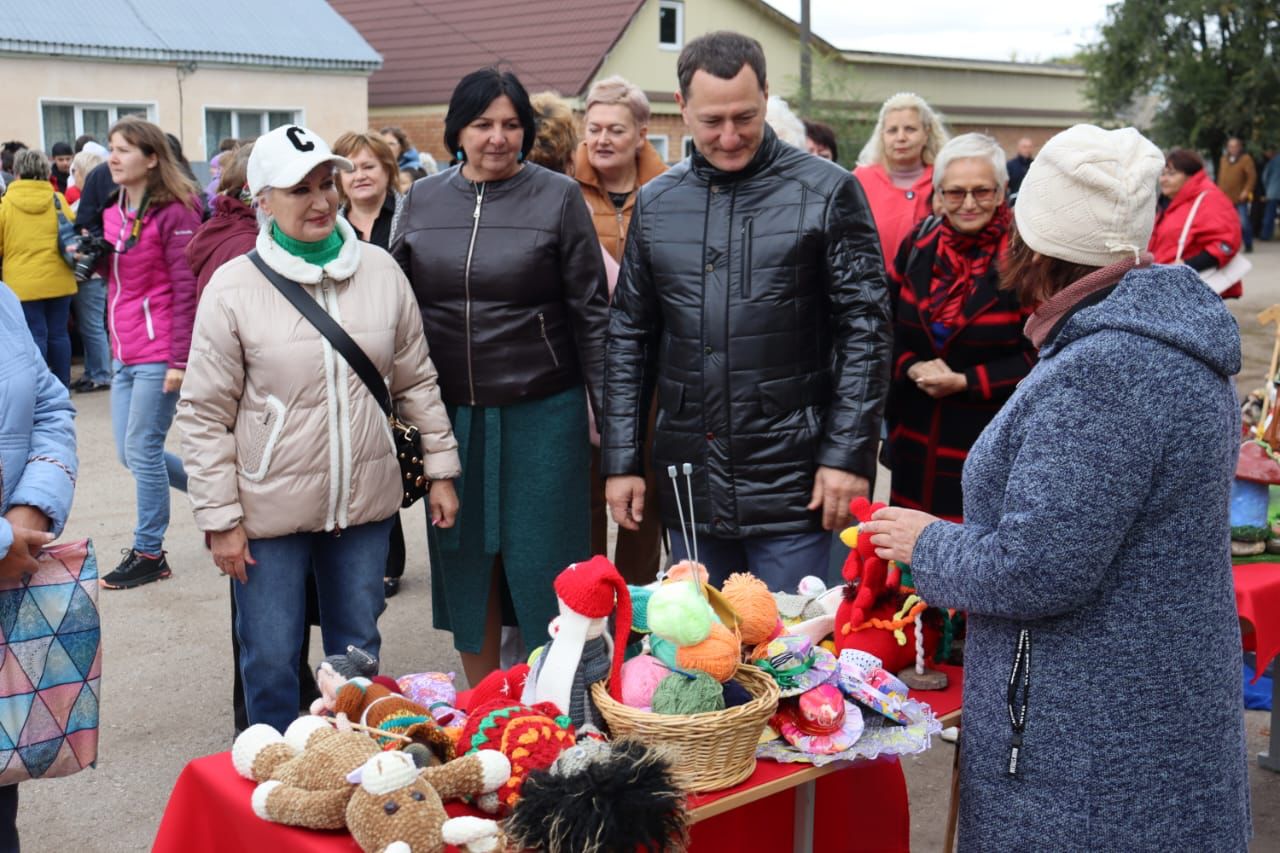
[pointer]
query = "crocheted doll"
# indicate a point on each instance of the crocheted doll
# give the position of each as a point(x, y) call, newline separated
point(578, 655)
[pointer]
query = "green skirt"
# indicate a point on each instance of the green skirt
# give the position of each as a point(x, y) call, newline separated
point(524, 494)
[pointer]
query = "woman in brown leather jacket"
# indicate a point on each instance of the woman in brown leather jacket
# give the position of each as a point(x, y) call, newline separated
point(510, 279)
point(612, 163)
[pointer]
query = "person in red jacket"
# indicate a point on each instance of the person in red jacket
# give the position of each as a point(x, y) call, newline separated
point(1213, 237)
point(232, 229)
point(895, 168)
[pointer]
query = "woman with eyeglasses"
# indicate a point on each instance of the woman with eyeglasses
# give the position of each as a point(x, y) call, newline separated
point(151, 306)
point(1197, 224)
point(959, 350)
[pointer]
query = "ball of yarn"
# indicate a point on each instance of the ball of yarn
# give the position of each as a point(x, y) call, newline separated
point(640, 608)
point(678, 613)
point(680, 694)
point(640, 677)
point(685, 570)
point(757, 610)
point(735, 694)
point(662, 650)
point(717, 655)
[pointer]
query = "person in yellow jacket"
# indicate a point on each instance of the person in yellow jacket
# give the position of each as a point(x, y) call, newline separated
point(33, 264)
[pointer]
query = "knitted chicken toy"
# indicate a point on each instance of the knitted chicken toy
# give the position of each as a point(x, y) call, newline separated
point(874, 617)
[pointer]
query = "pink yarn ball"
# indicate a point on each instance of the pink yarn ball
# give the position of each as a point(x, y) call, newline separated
point(640, 677)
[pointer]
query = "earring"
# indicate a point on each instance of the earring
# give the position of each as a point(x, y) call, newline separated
point(460, 155)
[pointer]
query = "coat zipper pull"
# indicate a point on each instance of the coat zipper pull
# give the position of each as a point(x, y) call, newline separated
point(1015, 750)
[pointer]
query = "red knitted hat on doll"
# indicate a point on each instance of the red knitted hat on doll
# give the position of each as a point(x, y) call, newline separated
point(589, 591)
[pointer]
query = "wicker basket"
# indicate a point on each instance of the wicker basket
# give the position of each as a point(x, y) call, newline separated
point(715, 750)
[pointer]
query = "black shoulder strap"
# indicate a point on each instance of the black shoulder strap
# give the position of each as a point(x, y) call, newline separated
point(326, 325)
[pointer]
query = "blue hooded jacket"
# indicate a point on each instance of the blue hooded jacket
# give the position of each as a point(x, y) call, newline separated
point(37, 427)
point(1096, 535)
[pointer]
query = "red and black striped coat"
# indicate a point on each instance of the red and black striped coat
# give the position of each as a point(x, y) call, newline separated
point(929, 439)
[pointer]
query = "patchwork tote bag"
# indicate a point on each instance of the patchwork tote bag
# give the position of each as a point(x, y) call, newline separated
point(50, 666)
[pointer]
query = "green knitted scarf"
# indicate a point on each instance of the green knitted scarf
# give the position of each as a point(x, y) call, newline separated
point(319, 253)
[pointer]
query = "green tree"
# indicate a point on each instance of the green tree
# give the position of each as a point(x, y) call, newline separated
point(834, 100)
point(1203, 70)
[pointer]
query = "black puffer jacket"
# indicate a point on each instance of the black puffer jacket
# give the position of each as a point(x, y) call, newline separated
point(510, 279)
point(757, 303)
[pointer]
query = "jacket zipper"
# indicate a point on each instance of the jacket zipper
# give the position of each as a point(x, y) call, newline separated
point(748, 228)
point(115, 337)
point(475, 228)
point(146, 313)
point(621, 237)
point(542, 324)
point(339, 475)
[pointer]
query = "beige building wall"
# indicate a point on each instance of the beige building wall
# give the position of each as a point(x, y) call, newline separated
point(329, 103)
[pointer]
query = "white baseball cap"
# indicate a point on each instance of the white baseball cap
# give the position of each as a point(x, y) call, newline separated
point(286, 155)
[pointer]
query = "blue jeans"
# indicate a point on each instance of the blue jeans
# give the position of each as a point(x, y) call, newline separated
point(140, 416)
point(47, 320)
point(1269, 219)
point(90, 305)
point(271, 609)
point(779, 561)
point(1246, 227)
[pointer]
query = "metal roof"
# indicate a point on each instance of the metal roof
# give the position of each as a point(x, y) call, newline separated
point(303, 34)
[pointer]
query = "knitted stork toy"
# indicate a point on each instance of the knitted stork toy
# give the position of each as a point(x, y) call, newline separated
point(869, 617)
point(578, 655)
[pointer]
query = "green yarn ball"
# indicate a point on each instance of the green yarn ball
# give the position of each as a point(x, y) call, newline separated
point(640, 596)
point(678, 613)
point(679, 694)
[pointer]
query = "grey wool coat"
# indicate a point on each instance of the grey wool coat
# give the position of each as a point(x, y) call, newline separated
point(1095, 512)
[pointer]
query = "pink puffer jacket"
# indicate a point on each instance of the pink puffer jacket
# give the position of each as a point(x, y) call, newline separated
point(151, 302)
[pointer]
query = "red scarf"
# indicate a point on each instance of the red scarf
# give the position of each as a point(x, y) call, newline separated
point(959, 261)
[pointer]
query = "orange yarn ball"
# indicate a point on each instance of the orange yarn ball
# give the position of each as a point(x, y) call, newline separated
point(756, 607)
point(684, 570)
point(717, 655)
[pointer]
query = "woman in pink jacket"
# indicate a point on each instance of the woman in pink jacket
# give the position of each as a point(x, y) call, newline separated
point(151, 304)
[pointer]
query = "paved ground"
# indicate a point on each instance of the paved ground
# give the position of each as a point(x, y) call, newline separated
point(167, 665)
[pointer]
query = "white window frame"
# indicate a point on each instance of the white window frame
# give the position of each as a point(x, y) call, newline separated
point(78, 106)
point(662, 144)
point(686, 146)
point(676, 6)
point(299, 117)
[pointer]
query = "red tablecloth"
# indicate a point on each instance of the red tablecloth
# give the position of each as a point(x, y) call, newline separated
point(860, 808)
point(1258, 601)
point(949, 699)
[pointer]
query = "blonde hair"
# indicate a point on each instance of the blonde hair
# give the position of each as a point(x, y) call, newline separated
point(935, 132)
point(557, 134)
point(618, 90)
point(84, 163)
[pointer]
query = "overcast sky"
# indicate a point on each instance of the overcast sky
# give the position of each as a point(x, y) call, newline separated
point(1027, 30)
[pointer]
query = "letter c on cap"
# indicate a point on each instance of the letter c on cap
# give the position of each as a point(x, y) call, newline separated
point(294, 133)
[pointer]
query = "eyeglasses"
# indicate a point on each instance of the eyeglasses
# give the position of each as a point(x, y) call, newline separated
point(955, 196)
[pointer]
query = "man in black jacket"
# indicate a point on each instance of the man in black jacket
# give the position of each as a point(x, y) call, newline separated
point(91, 297)
point(753, 298)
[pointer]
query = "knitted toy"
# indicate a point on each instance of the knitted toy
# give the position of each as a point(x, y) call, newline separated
point(303, 775)
point(601, 797)
point(578, 655)
point(395, 808)
point(531, 737)
point(873, 616)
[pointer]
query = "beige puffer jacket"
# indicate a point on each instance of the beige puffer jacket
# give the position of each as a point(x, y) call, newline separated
point(278, 432)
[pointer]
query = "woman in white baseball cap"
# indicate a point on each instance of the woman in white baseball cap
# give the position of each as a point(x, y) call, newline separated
point(291, 461)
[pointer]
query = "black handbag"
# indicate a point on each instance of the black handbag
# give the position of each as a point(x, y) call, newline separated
point(408, 440)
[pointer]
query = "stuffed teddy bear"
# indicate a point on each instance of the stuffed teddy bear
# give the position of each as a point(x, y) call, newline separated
point(303, 775)
point(397, 808)
point(873, 616)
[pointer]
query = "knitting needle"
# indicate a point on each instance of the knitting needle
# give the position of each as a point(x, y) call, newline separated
point(361, 727)
point(675, 487)
point(693, 529)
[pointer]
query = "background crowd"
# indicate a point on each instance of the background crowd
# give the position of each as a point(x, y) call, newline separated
point(562, 317)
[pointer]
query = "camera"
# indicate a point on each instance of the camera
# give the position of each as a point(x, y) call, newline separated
point(91, 250)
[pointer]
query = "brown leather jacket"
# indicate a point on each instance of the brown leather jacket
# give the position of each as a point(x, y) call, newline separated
point(611, 224)
point(511, 284)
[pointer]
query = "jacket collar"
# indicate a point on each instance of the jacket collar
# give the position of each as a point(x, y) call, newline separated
point(649, 165)
point(763, 159)
point(295, 269)
point(491, 188)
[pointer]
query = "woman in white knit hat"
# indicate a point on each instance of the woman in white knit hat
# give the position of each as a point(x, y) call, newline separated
point(1093, 557)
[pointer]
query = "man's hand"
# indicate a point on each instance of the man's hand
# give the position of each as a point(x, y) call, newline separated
point(832, 491)
point(625, 496)
point(21, 558)
point(443, 500)
point(231, 552)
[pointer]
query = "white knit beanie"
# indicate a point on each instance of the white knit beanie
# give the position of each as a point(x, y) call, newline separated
point(1089, 197)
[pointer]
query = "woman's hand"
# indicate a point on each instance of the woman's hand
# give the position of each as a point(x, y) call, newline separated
point(443, 501)
point(937, 379)
point(894, 532)
point(173, 380)
point(231, 552)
